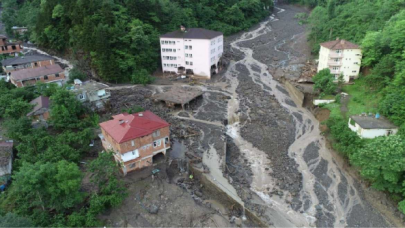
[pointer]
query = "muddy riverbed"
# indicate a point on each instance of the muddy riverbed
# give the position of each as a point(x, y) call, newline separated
point(253, 141)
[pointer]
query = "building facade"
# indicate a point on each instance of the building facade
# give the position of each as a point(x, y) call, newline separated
point(26, 62)
point(370, 127)
point(341, 57)
point(193, 51)
point(46, 74)
point(135, 139)
point(8, 47)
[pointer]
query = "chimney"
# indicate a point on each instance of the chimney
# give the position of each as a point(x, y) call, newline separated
point(140, 114)
point(182, 28)
point(121, 121)
point(342, 41)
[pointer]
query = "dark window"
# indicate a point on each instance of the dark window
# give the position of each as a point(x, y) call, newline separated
point(13, 47)
point(36, 64)
point(57, 75)
point(46, 77)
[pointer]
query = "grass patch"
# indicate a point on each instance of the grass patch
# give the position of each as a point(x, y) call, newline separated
point(327, 97)
point(362, 99)
point(334, 110)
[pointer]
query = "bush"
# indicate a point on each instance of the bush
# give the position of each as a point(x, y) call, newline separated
point(75, 73)
point(324, 82)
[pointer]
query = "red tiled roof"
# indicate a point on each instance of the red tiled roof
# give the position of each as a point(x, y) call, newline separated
point(126, 126)
point(36, 72)
point(340, 45)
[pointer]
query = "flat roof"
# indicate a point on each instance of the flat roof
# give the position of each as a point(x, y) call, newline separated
point(25, 59)
point(179, 95)
point(193, 33)
point(370, 122)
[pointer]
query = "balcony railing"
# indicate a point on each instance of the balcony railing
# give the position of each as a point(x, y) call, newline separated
point(336, 55)
point(334, 63)
point(335, 71)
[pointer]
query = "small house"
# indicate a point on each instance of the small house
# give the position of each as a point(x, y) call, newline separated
point(371, 126)
point(135, 139)
point(9, 47)
point(41, 109)
point(46, 74)
point(19, 30)
point(6, 162)
point(93, 93)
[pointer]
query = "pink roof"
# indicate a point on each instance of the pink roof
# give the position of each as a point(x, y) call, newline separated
point(126, 126)
point(36, 72)
point(340, 45)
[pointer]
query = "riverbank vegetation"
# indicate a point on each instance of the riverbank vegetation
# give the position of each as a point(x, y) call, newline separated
point(379, 28)
point(48, 187)
point(121, 38)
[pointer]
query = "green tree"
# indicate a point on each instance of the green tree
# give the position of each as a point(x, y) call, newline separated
point(324, 82)
point(49, 186)
point(382, 162)
point(13, 220)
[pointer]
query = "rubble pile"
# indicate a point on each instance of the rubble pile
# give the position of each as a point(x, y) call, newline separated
point(307, 72)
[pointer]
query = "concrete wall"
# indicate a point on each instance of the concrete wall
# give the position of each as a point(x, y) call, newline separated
point(319, 101)
point(351, 63)
point(295, 94)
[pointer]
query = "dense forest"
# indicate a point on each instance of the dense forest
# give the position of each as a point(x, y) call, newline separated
point(379, 28)
point(121, 37)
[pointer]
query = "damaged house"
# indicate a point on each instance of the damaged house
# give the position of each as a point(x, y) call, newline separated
point(26, 62)
point(92, 93)
point(135, 139)
point(9, 47)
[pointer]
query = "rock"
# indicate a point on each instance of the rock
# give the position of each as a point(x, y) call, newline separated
point(153, 209)
point(198, 193)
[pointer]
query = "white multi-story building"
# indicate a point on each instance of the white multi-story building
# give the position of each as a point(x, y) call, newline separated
point(341, 57)
point(194, 51)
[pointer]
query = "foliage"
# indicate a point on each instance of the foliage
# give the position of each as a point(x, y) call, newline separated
point(382, 162)
point(302, 17)
point(13, 220)
point(134, 109)
point(75, 73)
point(345, 140)
point(324, 82)
point(121, 38)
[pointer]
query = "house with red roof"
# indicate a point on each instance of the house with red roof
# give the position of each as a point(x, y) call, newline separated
point(135, 139)
point(341, 57)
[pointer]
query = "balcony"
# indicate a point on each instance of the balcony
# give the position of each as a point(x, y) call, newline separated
point(335, 72)
point(335, 55)
point(334, 63)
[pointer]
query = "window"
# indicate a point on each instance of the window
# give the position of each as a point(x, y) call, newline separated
point(166, 140)
point(187, 63)
point(156, 133)
point(186, 55)
point(57, 75)
point(132, 143)
point(132, 165)
point(213, 51)
point(164, 64)
point(186, 47)
point(191, 63)
point(356, 63)
point(36, 64)
point(13, 47)
point(190, 55)
point(46, 77)
point(158, 142)
point(154, 144)
point(166, 42)
point(174, 50)
point(354, 71)
point(135, 153)
point(162, 42)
